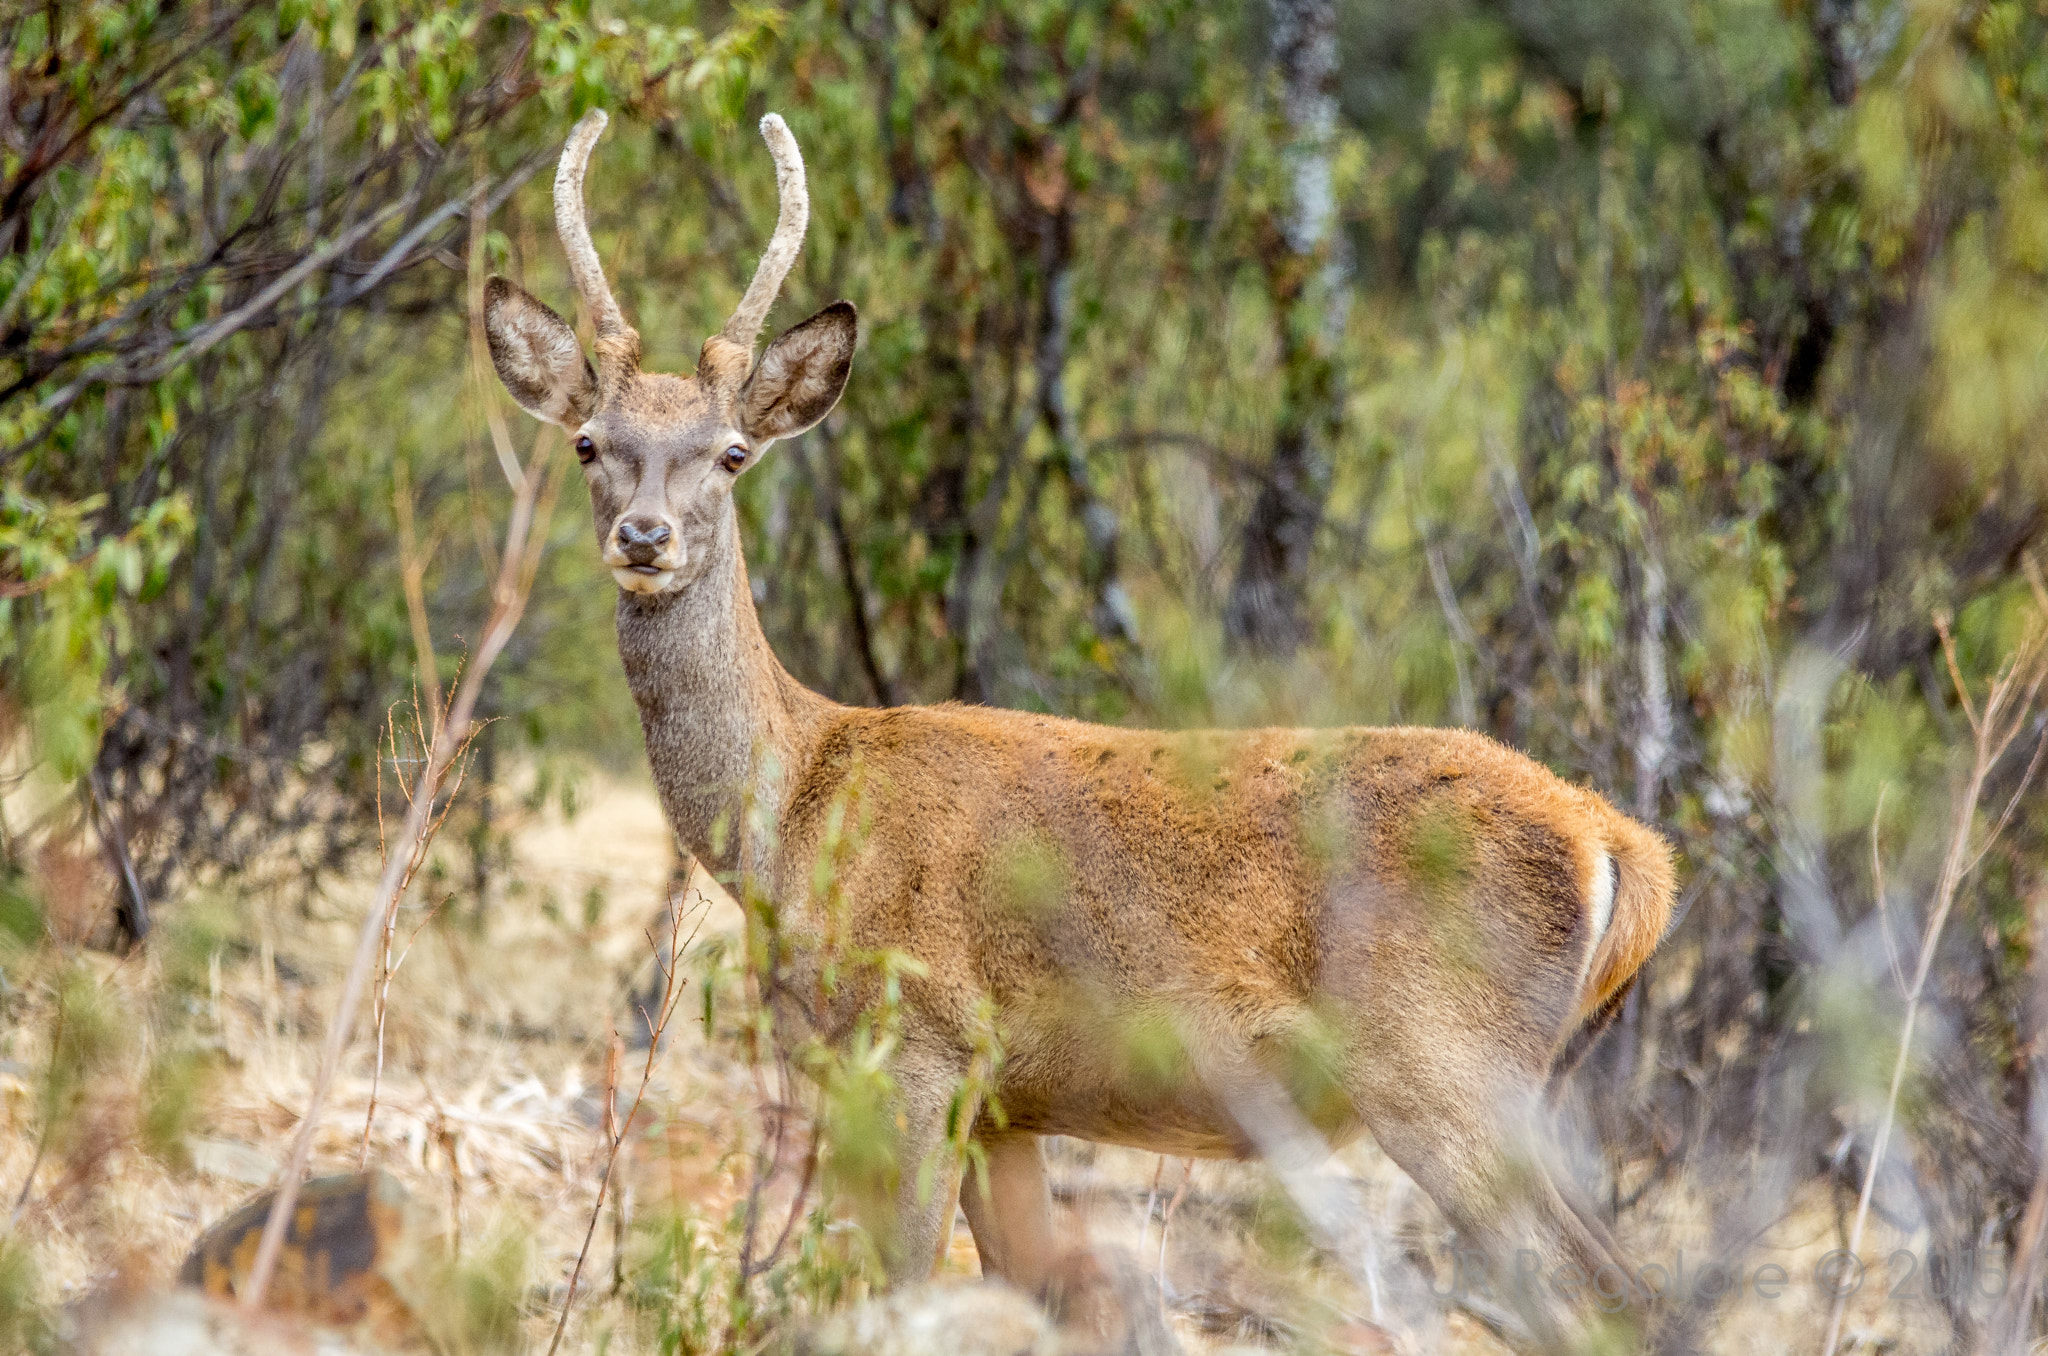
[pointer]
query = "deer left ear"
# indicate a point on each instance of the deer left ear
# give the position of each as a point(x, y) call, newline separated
point(801, 376)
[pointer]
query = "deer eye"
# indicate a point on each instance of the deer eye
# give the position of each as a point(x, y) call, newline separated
point(586, 450)
point(733, 458)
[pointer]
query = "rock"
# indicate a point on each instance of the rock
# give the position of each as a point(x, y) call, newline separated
point(185, 1323)
point(1102, 1303)
point(230, 1160)
point(1360, 1337)
point(983, 1319)
point(353, 1244)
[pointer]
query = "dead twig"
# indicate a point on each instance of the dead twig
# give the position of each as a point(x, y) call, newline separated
point(2008, 710)
point(534, 488)
point(413, 562)
point(22, 588)
point(779, 1112)
point(669, 960)
point(35, 1164)
point(1187, 1179)
point(755, 1266)
point(134, 919)
point(380, 1002)
point(1877, 886)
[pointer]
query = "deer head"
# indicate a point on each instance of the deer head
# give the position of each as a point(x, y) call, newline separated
point(661, 453)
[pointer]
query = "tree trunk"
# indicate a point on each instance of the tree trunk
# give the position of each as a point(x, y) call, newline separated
point(1111, 613)
point(1306, 274)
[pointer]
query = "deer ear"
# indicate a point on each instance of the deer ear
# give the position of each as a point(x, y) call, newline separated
point(800, 378)
point(537, 356)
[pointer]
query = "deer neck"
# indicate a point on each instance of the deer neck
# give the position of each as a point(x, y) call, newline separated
point(728, 729)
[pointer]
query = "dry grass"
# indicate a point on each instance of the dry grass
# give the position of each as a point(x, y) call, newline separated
point(491, 1111)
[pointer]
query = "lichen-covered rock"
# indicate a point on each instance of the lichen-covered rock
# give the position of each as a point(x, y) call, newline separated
point(350, 1251)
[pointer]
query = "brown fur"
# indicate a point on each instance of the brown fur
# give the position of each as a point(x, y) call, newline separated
point(1195, 886)
point(1390, 929)
point(1642, 904)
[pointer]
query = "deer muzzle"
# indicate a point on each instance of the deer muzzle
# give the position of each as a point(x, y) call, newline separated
point(644, 554)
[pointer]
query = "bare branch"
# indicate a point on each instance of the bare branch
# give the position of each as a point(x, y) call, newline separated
point(1877, 886)
point(412, 570)
point(199, 340)
point(1955, 673)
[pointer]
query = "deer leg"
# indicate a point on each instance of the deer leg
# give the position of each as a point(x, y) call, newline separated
point(1493, 1176)
point(1012, 1219)
point(912, 1223)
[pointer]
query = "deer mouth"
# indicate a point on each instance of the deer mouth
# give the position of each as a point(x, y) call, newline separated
point(653, 572)
point(646, 579)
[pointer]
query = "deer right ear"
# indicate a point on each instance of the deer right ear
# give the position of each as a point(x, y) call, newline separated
point(537, 356)
point(800, 375)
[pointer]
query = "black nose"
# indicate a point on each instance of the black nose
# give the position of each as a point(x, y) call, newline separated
point(642, 538)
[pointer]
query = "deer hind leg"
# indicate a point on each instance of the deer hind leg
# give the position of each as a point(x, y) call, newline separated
point(1482, 1155)
point(1012, 1220)
point(1099, 1300)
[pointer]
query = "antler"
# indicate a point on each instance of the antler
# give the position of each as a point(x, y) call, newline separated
point(793, 215)
point(730, 365)
point(618, 344)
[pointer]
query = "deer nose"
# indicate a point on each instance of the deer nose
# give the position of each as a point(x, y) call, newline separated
point(642, 539)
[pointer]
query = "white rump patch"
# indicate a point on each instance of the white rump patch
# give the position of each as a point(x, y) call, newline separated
point(1600, 908)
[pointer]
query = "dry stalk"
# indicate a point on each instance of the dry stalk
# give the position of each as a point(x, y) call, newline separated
point(380, 995)
point(2008, 708)
point(412, 569)
point(1877, 887)
point(669, 959)
point(35, 1164)
point(1187, 1179)
point(479, 344)
point(535, 489)
point(381, 1004)
point(778, 1115)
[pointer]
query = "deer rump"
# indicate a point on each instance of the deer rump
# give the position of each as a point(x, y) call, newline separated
point(1373, 921)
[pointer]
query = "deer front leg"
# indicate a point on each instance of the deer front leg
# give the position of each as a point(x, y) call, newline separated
point(910, 1215)
point(1012, 1220)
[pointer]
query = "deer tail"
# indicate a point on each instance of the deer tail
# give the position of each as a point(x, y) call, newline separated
point(1628, 909)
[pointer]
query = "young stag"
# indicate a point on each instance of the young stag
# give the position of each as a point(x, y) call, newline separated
point(1185, 937)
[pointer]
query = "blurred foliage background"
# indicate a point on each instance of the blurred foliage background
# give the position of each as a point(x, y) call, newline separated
point(1643, 382)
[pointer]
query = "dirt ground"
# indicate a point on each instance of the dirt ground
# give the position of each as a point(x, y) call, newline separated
point(489, 1110)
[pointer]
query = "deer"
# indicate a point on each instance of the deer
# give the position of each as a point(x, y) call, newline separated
point(1399, 931)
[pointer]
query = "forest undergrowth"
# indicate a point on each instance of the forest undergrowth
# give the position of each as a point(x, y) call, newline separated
point(178, 1077)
